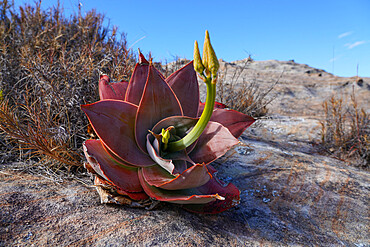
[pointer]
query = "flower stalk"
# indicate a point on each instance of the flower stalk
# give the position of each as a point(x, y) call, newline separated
point(207, 69)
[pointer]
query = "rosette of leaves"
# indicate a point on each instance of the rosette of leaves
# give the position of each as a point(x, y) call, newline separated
point(156, 141)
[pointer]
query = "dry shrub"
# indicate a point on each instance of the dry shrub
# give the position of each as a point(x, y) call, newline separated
point(247, 97)
point(50, 65)
point(345, 130)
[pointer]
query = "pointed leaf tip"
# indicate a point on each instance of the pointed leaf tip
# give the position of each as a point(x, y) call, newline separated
point(184, 84)
point(137, 82)
point(236, 122)
point(142, 59)
point(228, 196)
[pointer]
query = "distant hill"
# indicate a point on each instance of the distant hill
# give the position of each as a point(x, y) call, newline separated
point(301, 89)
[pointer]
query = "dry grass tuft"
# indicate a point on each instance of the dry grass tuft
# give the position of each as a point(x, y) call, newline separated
point(345, 131)
point(247, 97)
point(50, 65)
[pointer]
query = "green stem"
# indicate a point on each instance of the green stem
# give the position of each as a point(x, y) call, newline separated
point(194, 134)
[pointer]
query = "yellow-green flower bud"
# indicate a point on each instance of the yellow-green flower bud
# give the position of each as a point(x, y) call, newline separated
point(198, 65)
point(165, 136)
point(205, 58)
point(212, 61)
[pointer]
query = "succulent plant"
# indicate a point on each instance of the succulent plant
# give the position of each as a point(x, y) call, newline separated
point(152, 144)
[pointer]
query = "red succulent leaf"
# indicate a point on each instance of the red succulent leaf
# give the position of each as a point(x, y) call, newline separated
point(219, 105)
point(185, 85)
point(235, 121)
point(114, 121)
point(158, 102)
point(184, 196)
point(192, 177)
point(137, 82)
point(214, 142)
point(229, 191)
point(116, 90)
point(133, 195)
point(120, 175)
point(138, 196)
point(142, 59)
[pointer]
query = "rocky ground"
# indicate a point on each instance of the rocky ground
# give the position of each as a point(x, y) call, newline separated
point(290, 194)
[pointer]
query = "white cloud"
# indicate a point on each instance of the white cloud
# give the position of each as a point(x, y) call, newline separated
point(344, 34)
point(353, 45)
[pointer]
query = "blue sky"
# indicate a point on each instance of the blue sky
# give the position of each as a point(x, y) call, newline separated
point(326, 34)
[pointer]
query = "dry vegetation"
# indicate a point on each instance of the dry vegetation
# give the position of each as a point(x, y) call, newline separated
point(247, 97)
point(345, 131)
point(50, 65)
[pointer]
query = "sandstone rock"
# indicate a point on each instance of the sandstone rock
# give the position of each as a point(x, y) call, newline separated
point(297, 93)
point(288, 197)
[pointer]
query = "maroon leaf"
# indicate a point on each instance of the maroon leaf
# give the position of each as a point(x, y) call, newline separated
point(185, 196)
point(158, 102)
point(235, 121)
point(114, 121)
point(219, 105)
point(116, 90)
point(192, 177)
point(160, 74)
point(214, 142)
point(137, 83)
point(142, 59)
point(120, 175)
point(228, 191)
point(185, 85)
